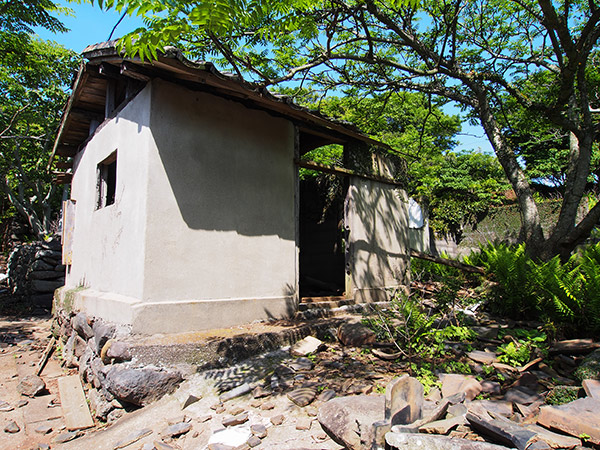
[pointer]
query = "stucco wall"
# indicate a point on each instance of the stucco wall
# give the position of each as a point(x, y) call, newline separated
point(377, 216)
point(108, 243)
point(220, 214)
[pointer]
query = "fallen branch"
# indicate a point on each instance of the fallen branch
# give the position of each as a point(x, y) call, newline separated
point(448, 262)
point(45, 356)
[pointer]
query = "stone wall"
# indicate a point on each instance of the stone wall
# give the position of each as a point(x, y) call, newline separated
point(35, 271)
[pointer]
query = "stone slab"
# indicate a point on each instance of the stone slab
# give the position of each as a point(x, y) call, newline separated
point(403, 400)
point(591, 388)
point(580, 417)
point(408, 441)
point(74, 405)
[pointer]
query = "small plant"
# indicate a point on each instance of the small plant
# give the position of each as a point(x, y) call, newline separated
point(379, 389)
point(456, 367)
point(561, 395)
point(515, 355)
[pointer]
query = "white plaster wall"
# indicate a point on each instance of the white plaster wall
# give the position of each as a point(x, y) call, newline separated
point(108, 243)
point(220, 221)
point(377, 215)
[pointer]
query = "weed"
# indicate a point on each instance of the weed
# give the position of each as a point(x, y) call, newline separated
point(562, 394)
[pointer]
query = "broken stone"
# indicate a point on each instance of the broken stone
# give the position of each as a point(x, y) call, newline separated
point(259, 430)
point(12, 427)
point(502, 430)
point(5, 406)
point(102, 333)
point(301, 364)
point(302, 396)
point(253, 441)
point(31, 385)
point(66, 437)
point(577, 418)
point(81, 326)
point(522, 395)
point(498, 408)
point(455, 383)
point(303, 423)
point(43, 429)
point(260, 392)
point(235, 420)
point(236, 410)
point(266, 406)
point(159, 445)
point(140, 386)
point(490, 387)
point(235, 392)
point(277, 419)
point(443, 426)
point(22, 403)
point(190, 400)
point(355, 335)
point(403, 400)
point(554, 440)
point(306, 346)
point(591, 388)
point(482, 357)
point(326, 395)
point(132, 437)
point(176, 429)
point(229, 438)
point(406, 441)
point(115, 351)
point(79, 346)
point(457, 410)
point(574, 346)
point(99, 405)
point(350, 420)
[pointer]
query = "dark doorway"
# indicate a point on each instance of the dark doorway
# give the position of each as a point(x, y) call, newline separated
point(322, 259)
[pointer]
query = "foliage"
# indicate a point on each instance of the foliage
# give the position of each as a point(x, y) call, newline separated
point(589, 369)
point(562, 394)
point(33, 85)
point(565, 294)
point(515, 354)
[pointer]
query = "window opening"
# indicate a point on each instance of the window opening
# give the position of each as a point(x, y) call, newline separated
point(107, 181)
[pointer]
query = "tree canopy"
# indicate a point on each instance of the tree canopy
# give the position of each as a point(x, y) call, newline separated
point(477, 53)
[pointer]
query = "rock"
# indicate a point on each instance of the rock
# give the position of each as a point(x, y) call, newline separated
point(190, 400)
point(349, 420)
point(79, 346)
point(99, 405)
point(22, 403)
point(302, 396)
point(259, 430)
point(115, 351)
point(326, 395)
point(502, 430)
point(591, 388)
point(260, 392)
point(81, 326)
point(229, 437)
point(498, 408)
point(403, 400)
point(12, 427)
point(97, 373)
point(43, 429)
point(140, 386)
point(236, 410)
point(277, 419)
point(574, 346)
point(102, 333)
point(355, 335)
point(176, 429)
point(306, 346)
point(522, 395)
point(455, 383)
point(235, 392)
point(160, 445)
point(301, 364)
point(44, 275)
point(31, 385)
point(66, 437)
point(45, 285)
point(132, 437)
point(5, 406)
point(443, 426)
point(42, 446)
point(266, 406)
point(482, 356)
point(303, 423)
point(40, 265)
point(235, 420)
point(554, 440)
point(490, 387)
point(575, 418)
point(405, 441)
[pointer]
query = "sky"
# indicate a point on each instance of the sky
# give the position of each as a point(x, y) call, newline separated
point(89, 25)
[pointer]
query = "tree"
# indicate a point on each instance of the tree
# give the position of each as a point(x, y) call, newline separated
point(34, 77)
point(477, 53)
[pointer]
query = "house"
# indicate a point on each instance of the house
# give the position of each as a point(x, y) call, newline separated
point(185, 209)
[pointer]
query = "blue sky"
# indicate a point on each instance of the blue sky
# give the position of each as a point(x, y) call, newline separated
point(90, 25)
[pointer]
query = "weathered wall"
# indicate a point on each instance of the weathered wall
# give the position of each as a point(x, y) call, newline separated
point(377, 216)
point(108, 243)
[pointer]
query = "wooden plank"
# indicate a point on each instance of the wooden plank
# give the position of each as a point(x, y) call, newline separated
point(448, 262)
point(74, 406)
point(344, 172)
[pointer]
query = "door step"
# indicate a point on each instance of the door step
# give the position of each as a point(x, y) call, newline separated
point(319, 307)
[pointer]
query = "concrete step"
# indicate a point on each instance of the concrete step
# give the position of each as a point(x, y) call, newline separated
point(314, 311)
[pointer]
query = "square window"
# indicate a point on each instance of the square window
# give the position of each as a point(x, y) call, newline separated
point(107, 181)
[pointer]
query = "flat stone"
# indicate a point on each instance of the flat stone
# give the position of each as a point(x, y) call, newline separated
point(522, 395)
point(5, 406)
point(260, 392)
point(160, 445)
point(407, 441)
point(66, 437)
point(277, 419)
point(31, 385)
point(235, 420)
point(303, 423)
point(22, 403)
point(218, 446)
point(236, 392)
point(576, 418)
point(12, 427)
point(326, 395)
point(355, 335)
point(591, 388)
point(574, 346)
point(498, 408)
point(254, 441)
point(490, 387)
point(266, 406)
point(132, 437)
point(554, 440)
point(229, 438)
point(259, 430)
point(302, 396)
point(403, 400)
point(176, 429)
point(502, 430)
point(455, 383)
point(350, 420)
point(443, 426)
point(234, 411)
point(43, 429)
point(482, 357)
point(306, 346)
point(301, 364)
point(190, 400)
